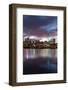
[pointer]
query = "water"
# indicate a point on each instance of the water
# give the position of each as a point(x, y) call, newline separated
point(39, 61)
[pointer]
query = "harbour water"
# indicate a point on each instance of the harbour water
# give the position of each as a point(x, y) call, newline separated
point(39, 61)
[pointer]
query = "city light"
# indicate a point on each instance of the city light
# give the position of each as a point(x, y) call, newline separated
point(33, 37)
point(43, 39)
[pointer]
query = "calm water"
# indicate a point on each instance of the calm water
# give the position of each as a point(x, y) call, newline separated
point(39, 61)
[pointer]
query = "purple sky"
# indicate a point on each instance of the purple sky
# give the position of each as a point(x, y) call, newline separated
point(40, 26)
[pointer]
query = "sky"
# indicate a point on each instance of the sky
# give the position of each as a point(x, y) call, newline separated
point(39, 26)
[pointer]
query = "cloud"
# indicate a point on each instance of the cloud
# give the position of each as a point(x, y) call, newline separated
point(39, 25)
point(50, 27)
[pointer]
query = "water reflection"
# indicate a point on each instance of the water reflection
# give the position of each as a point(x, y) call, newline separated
point(38, 61)
point(35, 53)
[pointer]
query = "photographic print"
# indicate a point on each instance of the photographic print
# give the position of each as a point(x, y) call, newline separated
point(39, 44)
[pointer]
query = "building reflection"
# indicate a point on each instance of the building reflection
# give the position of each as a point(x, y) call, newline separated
point(35, 53)
point(39, 61)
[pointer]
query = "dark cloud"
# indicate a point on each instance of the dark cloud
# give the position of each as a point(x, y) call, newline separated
point(39, 25)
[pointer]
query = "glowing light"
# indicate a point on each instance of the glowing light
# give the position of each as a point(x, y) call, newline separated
point(25, 37)
point(33, 37)
point(44, 39)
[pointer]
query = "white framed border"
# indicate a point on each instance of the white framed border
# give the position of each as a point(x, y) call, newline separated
point(39, 77)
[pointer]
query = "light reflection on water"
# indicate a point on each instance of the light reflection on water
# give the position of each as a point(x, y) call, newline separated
point(35, 53)
point(39, 61)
